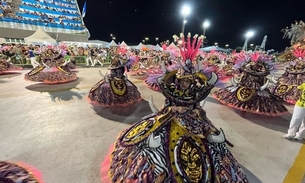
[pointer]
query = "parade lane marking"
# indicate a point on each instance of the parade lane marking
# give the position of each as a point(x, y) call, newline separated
point(297, 171)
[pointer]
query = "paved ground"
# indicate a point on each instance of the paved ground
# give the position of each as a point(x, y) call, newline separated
point(55, 129)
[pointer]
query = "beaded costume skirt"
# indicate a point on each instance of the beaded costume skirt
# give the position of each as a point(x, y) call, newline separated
point(6, 66)
point(163, 149)
point(18, 173)
point(287, 87)
point(70, 66)
point(251, 100)
point(110, 94)
point(53, 75)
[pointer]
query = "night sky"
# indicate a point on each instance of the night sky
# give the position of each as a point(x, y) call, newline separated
point(133, 20)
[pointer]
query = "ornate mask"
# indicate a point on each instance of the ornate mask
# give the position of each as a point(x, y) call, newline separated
point(118, 86)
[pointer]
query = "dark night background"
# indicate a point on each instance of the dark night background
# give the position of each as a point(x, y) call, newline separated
point(133, 20)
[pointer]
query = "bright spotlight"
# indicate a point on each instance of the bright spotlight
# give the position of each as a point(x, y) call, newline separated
point(249, 34)
point(206, 24)
point(185, 10)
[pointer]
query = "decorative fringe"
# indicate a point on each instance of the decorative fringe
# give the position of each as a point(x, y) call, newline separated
point(33, 171)
point(250, 111)
point(105, 166)
point(114, 105)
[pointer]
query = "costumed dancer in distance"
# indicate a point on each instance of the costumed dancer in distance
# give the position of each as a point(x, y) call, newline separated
point(287, 85)
point(68, 55)
point(250, 93)
point(178, 143)
point(6, 66)
point(114, 89)
point(166, 61)
point(51, 70)
point(5, 60)
point(297, 124)
point(18, 173)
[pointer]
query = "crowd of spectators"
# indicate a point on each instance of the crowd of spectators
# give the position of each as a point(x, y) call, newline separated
point(66, 4)
point(6, 7)
point(46, 17)
point(46, 7)
point(19, 51)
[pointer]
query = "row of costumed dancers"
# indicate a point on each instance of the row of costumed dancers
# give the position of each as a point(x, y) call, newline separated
point(178, 143)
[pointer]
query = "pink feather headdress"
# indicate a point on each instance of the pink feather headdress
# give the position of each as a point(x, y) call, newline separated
point(299, 53)
point(188, 48)
point(255, 56)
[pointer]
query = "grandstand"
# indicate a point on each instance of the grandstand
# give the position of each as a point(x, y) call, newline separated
point(61, 19)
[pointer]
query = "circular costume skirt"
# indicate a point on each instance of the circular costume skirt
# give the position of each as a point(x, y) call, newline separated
point(54, 75)
point(107, 95)
point(251, 100)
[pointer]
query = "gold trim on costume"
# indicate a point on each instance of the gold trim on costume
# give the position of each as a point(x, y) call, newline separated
point(135, 66)
point(97, 85)
point(145, 128)
point(117, 90)
point(36, 70)
point(245, 94)
point(62, 70)
point(189, 161)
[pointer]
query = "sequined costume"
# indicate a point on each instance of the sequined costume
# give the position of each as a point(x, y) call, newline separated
point(52, 70)
point(6, 66)
point(287, 85)
point(114, 89)
point(178, 143)
point(18, 173)
point(68, 64)
point(250, 92)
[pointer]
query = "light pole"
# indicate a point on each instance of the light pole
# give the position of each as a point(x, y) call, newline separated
point(205, 25)
point(157, 40)
point(216, 44)
point(146, 40)
point(185, 11)
point(112, 36)
point(227, 45)
point(249, 34)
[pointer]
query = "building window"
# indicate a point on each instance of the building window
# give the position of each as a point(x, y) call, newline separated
point(7, 40)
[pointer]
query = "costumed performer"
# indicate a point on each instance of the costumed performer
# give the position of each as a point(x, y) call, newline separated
point(178, 143)
point(51, 70)
point(250, 93)
point(6, 66)
point(18, 173)
point(287, 85)
point(115, 89)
